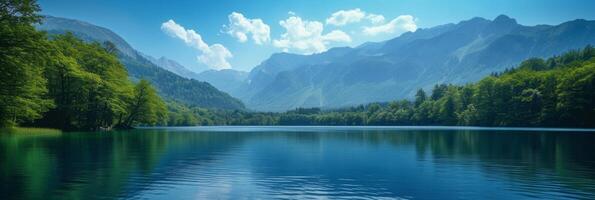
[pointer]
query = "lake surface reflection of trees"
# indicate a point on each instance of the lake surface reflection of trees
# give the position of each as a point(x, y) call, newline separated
point(121, 164)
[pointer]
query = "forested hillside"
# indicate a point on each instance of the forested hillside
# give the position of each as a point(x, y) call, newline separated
point(168, 84)
point(556, 92)
point(64, 82)
point(453, 53)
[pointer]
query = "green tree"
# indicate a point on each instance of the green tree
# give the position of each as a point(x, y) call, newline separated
point(576, 94)
point(548, 114)
point(469, 116)
point(530, 106)
point(89, 85)
point(420, 97)
point(146, 107)
point(447, 111)
point(439, 91)
point(22, 12)
point(422, 114)
point(484, 101)
point(22, 56)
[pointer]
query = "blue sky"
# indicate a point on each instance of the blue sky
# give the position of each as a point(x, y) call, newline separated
point(242, 40)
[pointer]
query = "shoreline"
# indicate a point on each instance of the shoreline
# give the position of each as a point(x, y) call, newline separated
point(240, 127)
point(30, 131)
point(243, 128)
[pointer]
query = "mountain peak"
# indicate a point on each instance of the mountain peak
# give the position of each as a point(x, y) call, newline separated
point(504, 19)
point(85, 31)
point(476, 19)
point(473, 22)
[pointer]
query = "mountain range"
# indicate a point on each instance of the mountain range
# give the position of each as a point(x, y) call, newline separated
point(394, 69)
point(344, 76)
point(226, 79)
point(169, 84)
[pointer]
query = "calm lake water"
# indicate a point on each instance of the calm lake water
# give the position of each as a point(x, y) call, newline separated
point(299, 162)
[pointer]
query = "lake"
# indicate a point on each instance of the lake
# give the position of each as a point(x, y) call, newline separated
point(299, 162)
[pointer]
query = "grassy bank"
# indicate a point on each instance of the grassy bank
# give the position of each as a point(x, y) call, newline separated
point(30, 131)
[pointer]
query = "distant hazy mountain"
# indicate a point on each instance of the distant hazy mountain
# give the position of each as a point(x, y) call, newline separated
point(172, 66)
point(393, 69)
point(168, 83)
point(227, 80)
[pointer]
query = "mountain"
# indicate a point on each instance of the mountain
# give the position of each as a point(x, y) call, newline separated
point(393, 69)
point(172, 66)
point(169, 84)
point(227, 80)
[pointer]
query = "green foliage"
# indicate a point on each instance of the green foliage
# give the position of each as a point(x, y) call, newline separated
point(73, 85)
point(22, 55)
point(172, 86)
point(64, 82)
point(576, 96)
point(469, 116)
point(420, 97)
point(90, 87)
point(184, 115)
point(557, 92)
point(439, 91)
point(145, 107)
point(19, 12)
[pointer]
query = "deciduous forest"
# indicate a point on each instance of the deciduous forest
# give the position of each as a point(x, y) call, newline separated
point(59, 81)
point(556, 92)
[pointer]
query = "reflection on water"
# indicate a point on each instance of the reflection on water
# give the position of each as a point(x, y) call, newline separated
point(299, 162)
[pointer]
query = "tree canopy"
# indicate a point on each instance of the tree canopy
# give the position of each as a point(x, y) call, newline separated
point(556, 92)
point(64, 82)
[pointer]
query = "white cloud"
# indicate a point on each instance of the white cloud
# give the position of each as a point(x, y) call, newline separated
point(398, 25)
point(375, 19)
point(343, 17)
point(336, 36)
point(306, 36)
point(240, 26)
point(215, 56)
